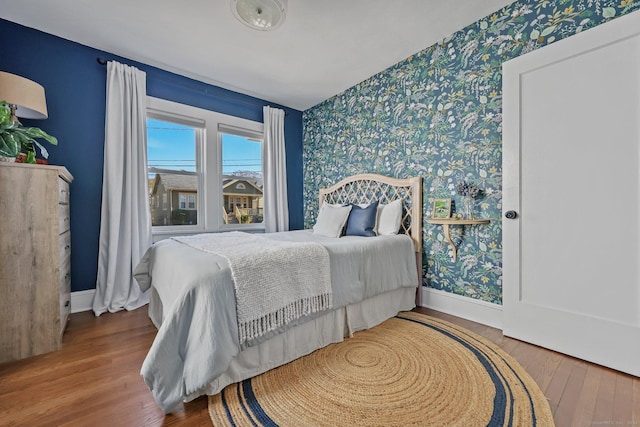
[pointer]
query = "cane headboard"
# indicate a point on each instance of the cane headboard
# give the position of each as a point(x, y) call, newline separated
point(367, 188)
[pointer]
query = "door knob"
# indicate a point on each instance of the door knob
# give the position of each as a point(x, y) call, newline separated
point(511, 214)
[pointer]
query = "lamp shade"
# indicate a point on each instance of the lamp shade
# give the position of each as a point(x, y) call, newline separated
point(26, 95)
point(260, 15)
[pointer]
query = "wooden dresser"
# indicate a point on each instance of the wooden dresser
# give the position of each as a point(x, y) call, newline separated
point(35, 259)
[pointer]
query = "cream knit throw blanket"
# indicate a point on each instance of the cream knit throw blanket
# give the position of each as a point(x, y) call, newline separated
point(275, 282)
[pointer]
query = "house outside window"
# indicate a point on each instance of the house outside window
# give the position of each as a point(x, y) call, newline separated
point(193, 153)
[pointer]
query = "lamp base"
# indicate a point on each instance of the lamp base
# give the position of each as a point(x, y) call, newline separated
point(13, 108)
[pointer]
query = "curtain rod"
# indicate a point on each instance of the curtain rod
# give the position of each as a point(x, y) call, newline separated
point(103, 61)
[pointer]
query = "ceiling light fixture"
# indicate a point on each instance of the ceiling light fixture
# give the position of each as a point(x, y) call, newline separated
point(262, 15)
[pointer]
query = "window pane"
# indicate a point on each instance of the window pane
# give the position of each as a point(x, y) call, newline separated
point(242, 179)
point(171, 153)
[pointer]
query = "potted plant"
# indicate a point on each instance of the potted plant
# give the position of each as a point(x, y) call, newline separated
point(15, 138)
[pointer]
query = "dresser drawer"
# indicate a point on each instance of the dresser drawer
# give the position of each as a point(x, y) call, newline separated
point(63, 218)
point(63, 191)
point(64, 244)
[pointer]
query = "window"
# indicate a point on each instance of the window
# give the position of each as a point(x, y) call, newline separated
point(172, 144)
point(207, 167)
point(187, 201)
point(242, 175)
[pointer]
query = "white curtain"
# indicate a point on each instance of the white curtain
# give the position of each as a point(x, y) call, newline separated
point(276, 211)
point(125, 223)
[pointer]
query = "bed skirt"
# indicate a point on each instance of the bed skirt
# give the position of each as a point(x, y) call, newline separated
point(302, 339)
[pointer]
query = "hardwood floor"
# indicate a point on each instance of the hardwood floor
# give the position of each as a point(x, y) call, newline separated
point(94, 380)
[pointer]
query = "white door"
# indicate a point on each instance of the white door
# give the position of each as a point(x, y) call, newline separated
point(571, 160)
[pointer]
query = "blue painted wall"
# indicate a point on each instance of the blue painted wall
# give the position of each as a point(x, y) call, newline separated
point(75, 88)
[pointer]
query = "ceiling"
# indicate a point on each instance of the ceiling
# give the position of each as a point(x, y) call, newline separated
point(323, 48)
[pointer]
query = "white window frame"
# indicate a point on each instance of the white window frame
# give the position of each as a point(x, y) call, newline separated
point(209, 200)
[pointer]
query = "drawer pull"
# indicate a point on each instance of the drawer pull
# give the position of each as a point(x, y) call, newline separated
point(67, 304)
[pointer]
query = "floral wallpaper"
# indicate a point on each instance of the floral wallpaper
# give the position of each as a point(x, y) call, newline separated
point(438, 114)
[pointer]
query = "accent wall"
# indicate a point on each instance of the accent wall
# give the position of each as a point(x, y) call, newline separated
point(75, 87)
point(438, 114)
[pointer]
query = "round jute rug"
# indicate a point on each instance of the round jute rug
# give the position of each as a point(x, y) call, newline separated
point(412, 370)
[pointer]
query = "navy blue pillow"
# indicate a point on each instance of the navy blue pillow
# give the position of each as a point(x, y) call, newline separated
point(362, 221)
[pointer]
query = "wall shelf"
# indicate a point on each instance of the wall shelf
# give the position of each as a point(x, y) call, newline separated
point(445, 223)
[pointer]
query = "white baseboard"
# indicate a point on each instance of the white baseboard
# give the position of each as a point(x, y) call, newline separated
point(446, 302)
point(468, 308)
point(82, 300)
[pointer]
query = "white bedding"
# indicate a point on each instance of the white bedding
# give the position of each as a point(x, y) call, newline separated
point(197, 342)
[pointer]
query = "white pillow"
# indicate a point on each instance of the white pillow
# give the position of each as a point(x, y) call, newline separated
point(331, 220)
point(389, 217)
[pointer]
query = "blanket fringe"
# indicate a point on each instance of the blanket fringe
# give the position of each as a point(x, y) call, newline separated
point(257, 327)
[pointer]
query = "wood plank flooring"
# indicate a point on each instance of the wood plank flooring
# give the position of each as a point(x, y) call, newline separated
point(94, 380)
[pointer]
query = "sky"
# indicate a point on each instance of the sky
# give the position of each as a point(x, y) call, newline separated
point(172, 146)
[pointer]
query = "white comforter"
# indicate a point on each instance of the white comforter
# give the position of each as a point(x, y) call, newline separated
point(198, 337)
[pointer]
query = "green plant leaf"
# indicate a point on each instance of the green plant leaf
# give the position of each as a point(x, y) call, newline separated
point(43, 151)
point(5, 113)
point(8, 126)
point(31, 157)
point(5, 150)
point(39, 133)
point(608, 12)
point(9, 145)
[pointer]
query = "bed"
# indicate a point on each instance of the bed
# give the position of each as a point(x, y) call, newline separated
point(204, 344)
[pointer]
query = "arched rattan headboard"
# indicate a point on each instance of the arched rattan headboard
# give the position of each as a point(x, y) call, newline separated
point(367, 188)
